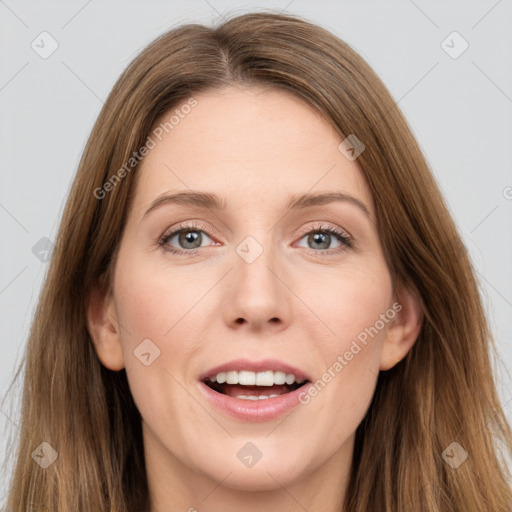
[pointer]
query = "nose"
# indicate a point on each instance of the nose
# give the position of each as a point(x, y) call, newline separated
point(257, 297)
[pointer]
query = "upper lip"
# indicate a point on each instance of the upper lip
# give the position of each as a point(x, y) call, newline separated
point(255, 366)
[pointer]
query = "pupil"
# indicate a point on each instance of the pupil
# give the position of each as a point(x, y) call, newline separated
point(322, 238)
point(189, 237)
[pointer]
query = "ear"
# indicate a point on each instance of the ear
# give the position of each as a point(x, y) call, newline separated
point(403, 330)
point(104, 328)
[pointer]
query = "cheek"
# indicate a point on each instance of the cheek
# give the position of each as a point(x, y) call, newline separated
point(356, 311)
point(349, 304)
point(152, 301)
point(154, 312)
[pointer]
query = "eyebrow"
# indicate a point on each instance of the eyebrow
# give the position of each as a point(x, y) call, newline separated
point(296, 202)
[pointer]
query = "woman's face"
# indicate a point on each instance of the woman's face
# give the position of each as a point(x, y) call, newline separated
point(262, 286)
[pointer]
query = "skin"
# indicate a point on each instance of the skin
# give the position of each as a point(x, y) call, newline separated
point(254, 147)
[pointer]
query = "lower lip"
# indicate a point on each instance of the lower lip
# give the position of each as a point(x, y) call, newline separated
point(252, 410)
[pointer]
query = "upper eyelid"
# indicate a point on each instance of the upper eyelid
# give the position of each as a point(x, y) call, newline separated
point(187, 226)
point(323, 225)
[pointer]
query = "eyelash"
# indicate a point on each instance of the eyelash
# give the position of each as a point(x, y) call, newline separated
point(341, 236)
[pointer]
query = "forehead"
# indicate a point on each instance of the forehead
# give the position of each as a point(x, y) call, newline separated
point(247, 144)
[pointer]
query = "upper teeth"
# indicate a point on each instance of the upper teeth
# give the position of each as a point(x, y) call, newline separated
point(246, 378)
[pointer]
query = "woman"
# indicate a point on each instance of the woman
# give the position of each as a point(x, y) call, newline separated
point(258, 299)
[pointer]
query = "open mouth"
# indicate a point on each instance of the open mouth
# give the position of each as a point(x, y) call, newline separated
point(252, 391)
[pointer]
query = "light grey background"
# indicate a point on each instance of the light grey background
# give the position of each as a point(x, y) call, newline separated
point(460, 109)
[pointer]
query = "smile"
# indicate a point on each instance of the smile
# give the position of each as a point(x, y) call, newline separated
point(248, 385)
point(254, 391)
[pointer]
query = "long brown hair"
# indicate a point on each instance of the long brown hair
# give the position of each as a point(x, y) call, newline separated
point(442, 392)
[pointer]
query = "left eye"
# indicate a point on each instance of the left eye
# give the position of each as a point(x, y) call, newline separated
point(322, 239)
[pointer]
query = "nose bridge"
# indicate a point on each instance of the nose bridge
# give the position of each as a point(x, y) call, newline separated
point(256, 258)
point(259, 296)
